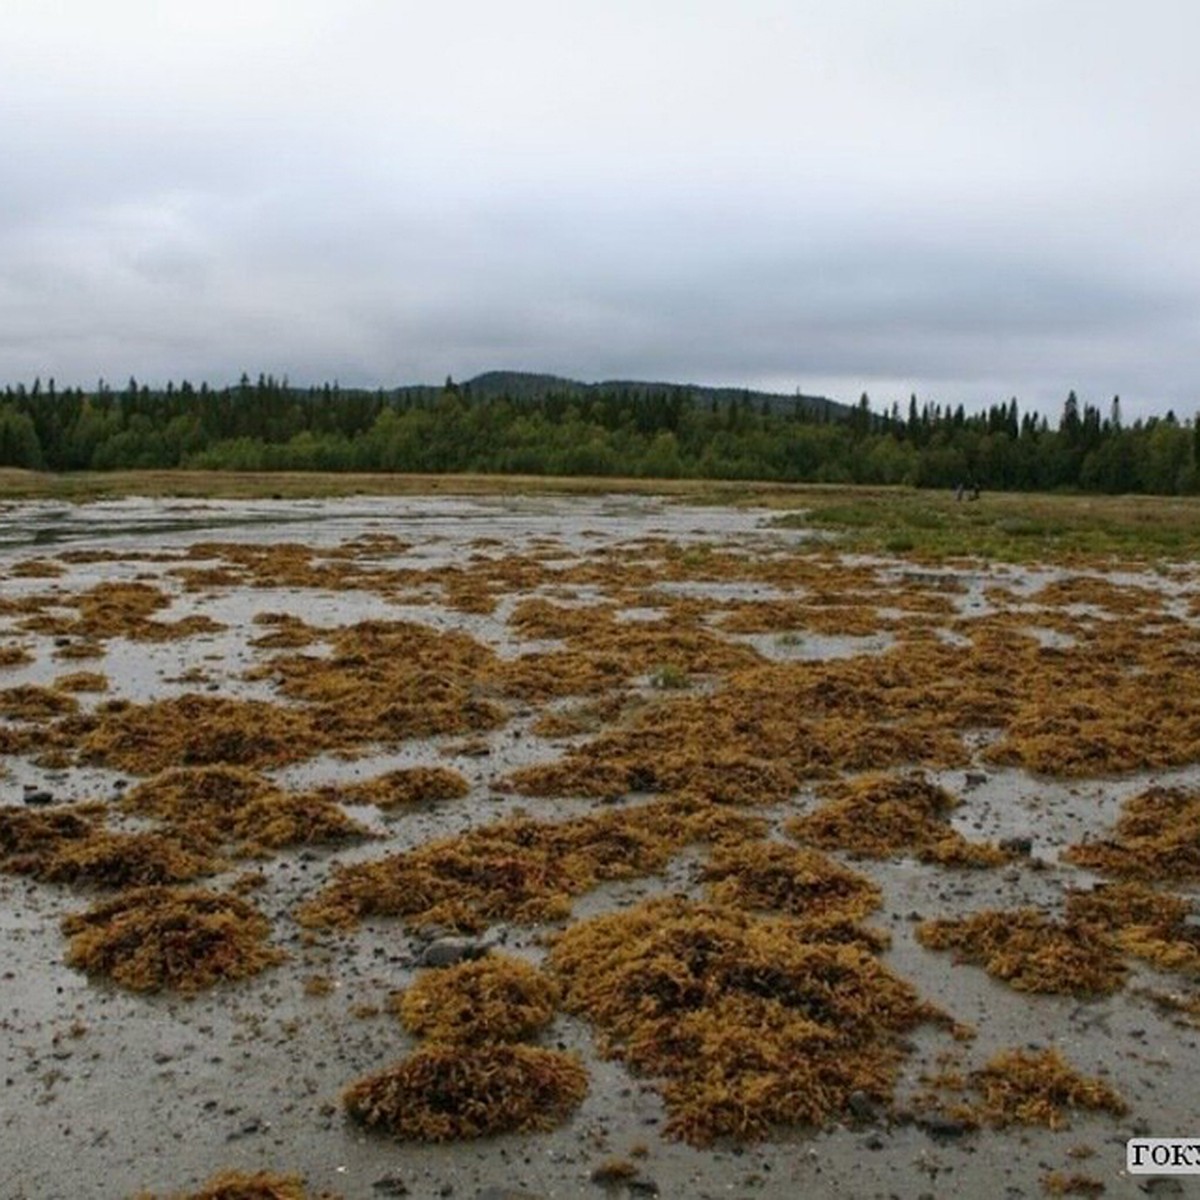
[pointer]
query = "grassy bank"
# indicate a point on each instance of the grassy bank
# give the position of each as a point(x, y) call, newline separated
point(1007, 527)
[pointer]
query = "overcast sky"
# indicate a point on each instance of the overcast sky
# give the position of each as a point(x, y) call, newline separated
point(966, 199)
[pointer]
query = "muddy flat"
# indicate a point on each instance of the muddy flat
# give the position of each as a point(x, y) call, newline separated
point(593, 845)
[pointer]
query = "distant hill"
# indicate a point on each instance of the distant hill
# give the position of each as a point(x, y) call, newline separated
point(529, 386)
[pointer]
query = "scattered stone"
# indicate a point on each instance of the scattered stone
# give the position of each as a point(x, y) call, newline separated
point(449, 951)
point(38, 797)
point(641, 1186)
point(390, 1185)
point(862, 1106)
point(1020, 846)
point(615, 1171)
point(938, 1126)
point(1162, 1187)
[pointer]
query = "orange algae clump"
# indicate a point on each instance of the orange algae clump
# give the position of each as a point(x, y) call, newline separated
point(220, 803)
point(882, 815)
point(1056, 1183)
point(29, 838)
point(211, 795)
point(198, 730)
point(748, 1025)
point(37, 568)
point(12, 655)
point(124, 610)
point(409, 785)
point(1039, 1088)
point(290, 632)
point(495, 999)
point(521, 870)
point(1150, 924)
point(82, 681)
point(287, 819)
point(1134, 722)
point(446, 1092)
point(29, 702)
point(762, 731)
point(721, 775)
point(121, 609)
point(1156, 837)
point(155, 938)
point(801, 882)
point(238, 1185)
point(385, 681)
point(538, 618)
point(120, 860)
point(1030, 951)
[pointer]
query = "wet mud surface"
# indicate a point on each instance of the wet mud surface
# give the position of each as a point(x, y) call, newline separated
point(830, 876)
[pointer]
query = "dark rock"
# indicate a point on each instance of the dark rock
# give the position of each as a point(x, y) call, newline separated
point(390, 1185)
point(38, 797)
point(641, 1186)
point(504, 1193)
point(943, 1127)
point(974, 779)
point(862, 1106)
point(1022, 846)
point(248, 1129)
point(447, 951)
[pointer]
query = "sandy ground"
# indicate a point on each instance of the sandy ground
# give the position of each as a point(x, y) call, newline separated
point(106, 1092)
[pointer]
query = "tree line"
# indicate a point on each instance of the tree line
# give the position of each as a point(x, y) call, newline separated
point(653, 431)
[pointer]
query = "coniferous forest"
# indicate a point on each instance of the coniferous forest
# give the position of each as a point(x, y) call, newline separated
point(541, 426)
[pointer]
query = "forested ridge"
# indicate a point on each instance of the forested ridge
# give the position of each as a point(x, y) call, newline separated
point(556, 427)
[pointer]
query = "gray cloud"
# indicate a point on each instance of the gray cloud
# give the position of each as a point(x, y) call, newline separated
point(968, 202)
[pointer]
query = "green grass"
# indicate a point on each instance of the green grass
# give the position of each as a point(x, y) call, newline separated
point(669, 677)
point(1006, 527)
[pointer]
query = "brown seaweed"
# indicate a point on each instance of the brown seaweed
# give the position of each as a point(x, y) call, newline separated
point(451, 1092)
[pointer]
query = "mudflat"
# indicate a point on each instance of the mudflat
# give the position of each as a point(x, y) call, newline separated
point(600, 844)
